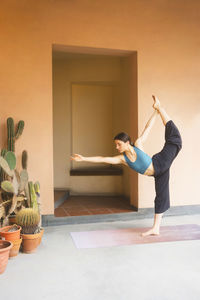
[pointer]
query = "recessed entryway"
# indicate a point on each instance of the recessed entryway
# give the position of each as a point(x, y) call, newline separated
point(94, 98)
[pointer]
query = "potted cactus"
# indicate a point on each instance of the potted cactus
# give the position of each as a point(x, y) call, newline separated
point(9, 192)
point(28, 219)
point(17, 193)
point(5, 247)
point(13, 195)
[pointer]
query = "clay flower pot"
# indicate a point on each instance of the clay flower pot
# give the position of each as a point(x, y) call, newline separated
point(40, 235)
point(15, 248)
point(10, 236)
point(5, 247)
point(30, 242)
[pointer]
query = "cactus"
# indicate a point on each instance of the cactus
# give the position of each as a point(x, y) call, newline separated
point(15, 183)
point(2, 174)
point(10, 129)
point(10, 179)
point(12, 136)
point(33, 196)
point(3, 152)
point(7, 186)
point(28, 219)
point(4, 165)
point(27, 194)
point(20, 128)
point(37, 188)
point(23, 180)
point(11, 159)
point(24, 159)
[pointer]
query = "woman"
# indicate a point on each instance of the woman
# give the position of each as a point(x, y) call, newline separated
point(157, 166)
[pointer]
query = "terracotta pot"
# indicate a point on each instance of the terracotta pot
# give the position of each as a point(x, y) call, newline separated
point(30, 242)
point(15, 248)
point(10, 236)
point(5, 247)
point(40, 235)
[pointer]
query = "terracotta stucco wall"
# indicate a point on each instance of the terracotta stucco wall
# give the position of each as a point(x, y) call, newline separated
point(164, 33)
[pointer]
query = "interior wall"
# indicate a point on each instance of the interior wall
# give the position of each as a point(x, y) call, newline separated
point(166, 36)
point(121, 113)
point(92, 114)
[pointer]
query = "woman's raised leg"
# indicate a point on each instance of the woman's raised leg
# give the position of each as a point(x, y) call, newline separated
point(164, 116)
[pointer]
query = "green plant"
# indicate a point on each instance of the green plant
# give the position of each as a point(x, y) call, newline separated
point(7, 186)
point(11, 159)
point(2, 174)
point(24, 159)
point(28, 219)
point(12, 135)
point(11, 187)
point(33, 195)
point(16, 192)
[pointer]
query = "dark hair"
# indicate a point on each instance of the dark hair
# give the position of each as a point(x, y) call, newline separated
point(124, 137)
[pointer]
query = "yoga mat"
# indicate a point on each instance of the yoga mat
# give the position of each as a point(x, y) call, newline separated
point(128, 236)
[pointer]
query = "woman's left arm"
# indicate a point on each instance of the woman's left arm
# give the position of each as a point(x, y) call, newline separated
point(142, 138)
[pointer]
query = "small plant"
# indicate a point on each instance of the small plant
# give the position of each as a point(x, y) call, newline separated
point(28, 219)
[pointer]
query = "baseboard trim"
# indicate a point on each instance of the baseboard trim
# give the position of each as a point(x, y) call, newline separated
point(143, 213)
point(62, 199)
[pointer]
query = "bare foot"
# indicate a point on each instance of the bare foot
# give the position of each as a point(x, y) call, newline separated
point(156, 104)
point(152, 231)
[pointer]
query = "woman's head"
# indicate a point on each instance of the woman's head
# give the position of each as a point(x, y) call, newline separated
point(122, 141)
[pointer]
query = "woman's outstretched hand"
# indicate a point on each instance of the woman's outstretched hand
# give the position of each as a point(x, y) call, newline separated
point(77, 157)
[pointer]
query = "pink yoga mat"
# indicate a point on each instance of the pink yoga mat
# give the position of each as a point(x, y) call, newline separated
point(128, 236)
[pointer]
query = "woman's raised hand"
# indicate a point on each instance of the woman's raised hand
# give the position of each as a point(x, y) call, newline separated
point(77, 157)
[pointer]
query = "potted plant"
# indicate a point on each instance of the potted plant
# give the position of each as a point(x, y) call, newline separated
point(16, 191)
point(5, 247)
point(10, 202)
point(12, 233)
point(29, 219)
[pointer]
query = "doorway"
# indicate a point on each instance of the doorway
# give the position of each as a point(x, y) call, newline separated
point(94, 97)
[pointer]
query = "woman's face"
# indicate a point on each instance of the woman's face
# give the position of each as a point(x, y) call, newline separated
point(121, 146)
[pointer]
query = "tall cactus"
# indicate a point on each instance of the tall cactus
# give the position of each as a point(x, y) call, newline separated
point(33, 196)
point(24, 159)
point(12, 135)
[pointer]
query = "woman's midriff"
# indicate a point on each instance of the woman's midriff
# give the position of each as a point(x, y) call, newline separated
point(150, 170)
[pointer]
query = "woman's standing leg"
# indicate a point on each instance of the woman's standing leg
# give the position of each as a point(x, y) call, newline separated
point(162, 202)
point(161, 183)
point(155, 230)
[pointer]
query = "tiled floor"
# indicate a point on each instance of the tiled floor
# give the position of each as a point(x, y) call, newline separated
point(92, 205)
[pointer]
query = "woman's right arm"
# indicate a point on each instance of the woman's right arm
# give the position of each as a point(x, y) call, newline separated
point(99, 159)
